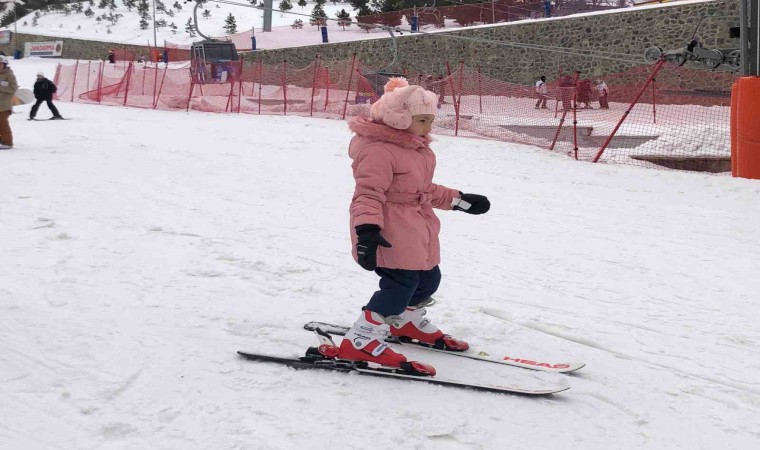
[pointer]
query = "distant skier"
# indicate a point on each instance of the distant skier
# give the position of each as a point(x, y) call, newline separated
point(394, 228)
point(8, 87)
point(43, 92)
point(542, 91)
point(602, 92)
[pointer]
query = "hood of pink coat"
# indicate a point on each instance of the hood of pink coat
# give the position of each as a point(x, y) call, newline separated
point(363, 126)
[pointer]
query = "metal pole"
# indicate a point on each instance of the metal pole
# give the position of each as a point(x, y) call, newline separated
point(267, 26)
point(749, 19)
point(155, 41)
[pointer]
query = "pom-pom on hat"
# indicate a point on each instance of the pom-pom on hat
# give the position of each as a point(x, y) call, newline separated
point(401, 102)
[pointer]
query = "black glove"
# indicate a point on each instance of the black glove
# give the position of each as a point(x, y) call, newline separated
point(369, 238)
point(478, 204)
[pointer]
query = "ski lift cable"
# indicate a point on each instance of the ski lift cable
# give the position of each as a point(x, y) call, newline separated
point(549, 48)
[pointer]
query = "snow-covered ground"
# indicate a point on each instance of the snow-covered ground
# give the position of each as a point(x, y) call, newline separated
point(141, 249)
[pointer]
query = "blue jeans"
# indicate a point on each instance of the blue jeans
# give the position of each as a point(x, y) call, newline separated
point(401, 288)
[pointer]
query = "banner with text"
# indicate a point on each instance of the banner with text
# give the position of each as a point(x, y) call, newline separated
point(53, 48)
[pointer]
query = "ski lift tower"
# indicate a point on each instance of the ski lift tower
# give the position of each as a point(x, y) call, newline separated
point(749, 18)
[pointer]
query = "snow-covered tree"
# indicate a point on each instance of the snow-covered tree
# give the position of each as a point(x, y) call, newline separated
point(189, 27)
point(160, 6)
point(143, 9)
point(77, 7)
point(129, 4)
point(89, 12)
point(230, 25)
point(285, 5)
point(318, 16)
point(344, 18)
point(173, 27)
point(206, 14)
point(143, 24)
point(177, 6)
point(302, 3)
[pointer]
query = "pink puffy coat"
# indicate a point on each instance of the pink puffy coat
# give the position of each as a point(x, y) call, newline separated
point(394, 170)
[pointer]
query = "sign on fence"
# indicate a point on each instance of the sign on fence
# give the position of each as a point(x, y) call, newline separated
point(5, 37)
point(53, 48)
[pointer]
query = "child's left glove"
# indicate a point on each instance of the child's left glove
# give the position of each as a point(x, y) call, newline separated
point(471, 203)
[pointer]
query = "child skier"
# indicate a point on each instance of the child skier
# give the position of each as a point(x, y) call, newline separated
point(394, 228)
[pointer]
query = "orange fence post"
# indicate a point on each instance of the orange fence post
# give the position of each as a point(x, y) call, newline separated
point(56, 78)
point(128, 77)
point(160, 88)
point(74, 83)
point(313, 84)
point(348, 89)
point(745, 134)
point(261, 75)
point(100, 80)
point(656, 69)
point(285, 88)
point(453, 99)
point(654, 102)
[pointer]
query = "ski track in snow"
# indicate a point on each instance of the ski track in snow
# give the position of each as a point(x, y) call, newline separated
point(136, 262)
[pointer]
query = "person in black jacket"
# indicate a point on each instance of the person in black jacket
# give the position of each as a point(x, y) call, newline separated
point(43, 92)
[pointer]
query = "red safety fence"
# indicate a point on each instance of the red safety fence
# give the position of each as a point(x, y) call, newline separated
point(655, 115)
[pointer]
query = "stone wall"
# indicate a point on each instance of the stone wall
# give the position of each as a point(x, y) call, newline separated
point(617, 39)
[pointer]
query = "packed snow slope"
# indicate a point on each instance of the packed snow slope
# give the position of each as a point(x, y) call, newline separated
point(141, 249)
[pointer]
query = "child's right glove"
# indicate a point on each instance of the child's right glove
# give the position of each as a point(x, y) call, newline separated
point(471, 203)
point(368, 238)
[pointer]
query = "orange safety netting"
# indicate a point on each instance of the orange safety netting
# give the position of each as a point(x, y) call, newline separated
point(655, 115)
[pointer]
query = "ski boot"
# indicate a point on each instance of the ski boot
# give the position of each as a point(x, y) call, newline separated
point(411, 325)
point(365, 341)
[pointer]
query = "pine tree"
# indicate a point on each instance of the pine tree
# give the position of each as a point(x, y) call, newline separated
point(142, 9)
point(320, 2)
point(361, 7)
point(189, 27)
point(130, 4)
point(285, 5)
point(77, 7)
point(177, 6)
point(230, 25)
point(318, 16)
point(160, 6)
point(206, 13)
point(302, 3)
point(89, 12)
point(173, 27)
point(103, 4)
point(143, 24)
point(344, 18)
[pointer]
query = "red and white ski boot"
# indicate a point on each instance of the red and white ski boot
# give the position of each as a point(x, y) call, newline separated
point(412, 325)
point(365, 341)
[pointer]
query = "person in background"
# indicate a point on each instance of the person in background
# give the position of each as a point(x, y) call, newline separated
point(602, 91)
point(111, 57)
point(542, 90)
point(584, 93)
point(43, 92)
point(8, 87)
